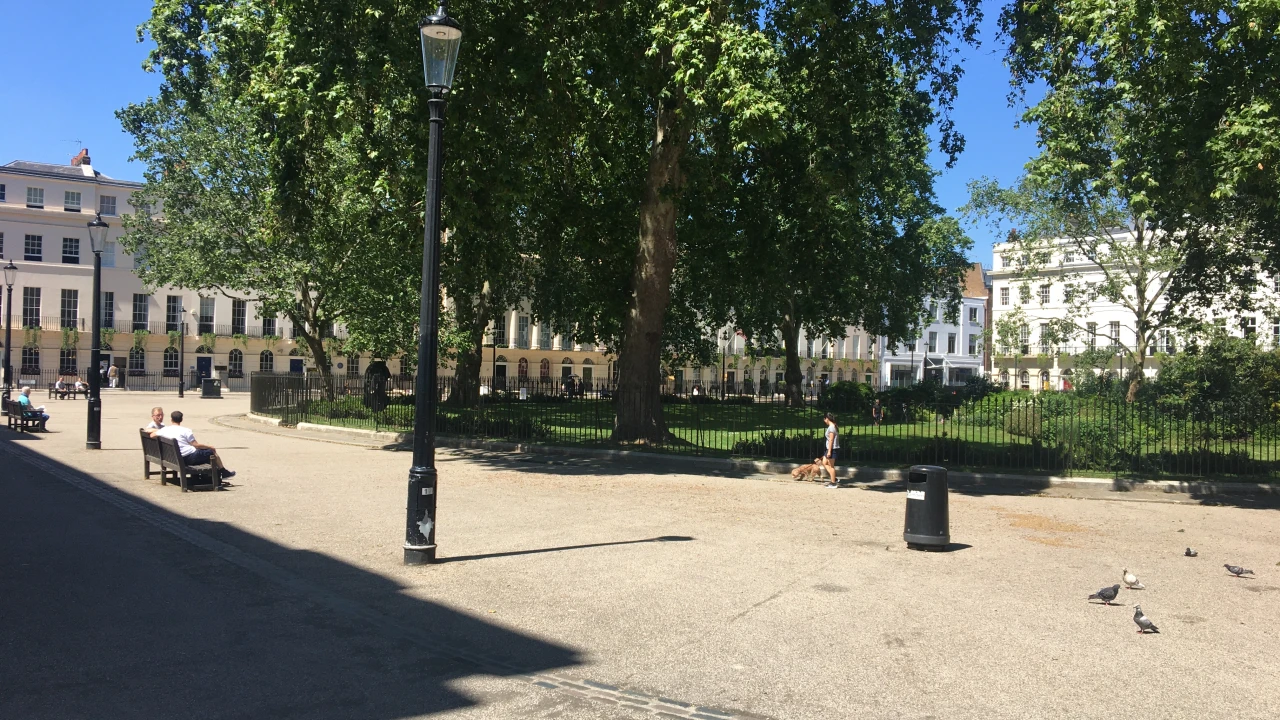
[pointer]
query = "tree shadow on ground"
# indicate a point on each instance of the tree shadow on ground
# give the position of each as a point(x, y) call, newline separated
point(569, 465)
point(118, 608)
point(464, 558)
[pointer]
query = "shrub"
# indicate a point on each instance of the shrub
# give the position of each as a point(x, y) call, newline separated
point(779, 445)
point(847, 396)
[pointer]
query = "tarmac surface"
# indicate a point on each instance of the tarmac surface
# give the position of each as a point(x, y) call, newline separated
point(565, 584)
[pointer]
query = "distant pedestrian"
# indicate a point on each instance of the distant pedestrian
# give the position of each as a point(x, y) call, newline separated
point(877, 413)
point(113, 374)
point(832, 449)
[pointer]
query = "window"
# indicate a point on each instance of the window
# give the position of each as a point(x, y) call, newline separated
point(522, 369)
point(268, 327)
point(1044, 294)
point(71, 251)
point(823, 353)
point(171, 368)
point(808, 348)
point(1069, 256)
point(205, 324)
point(1024, 339)
point(107, 204)
point(973, 346)
point(1, 192)
point(1, 243)
point(266, 361)
point(951, 343)
point(544, 369)
point(855, 346)
point(933, 311)
point(1025, 380)
point(71, 201)
point(235, 363)
point(33, 248)
point(1092, 332)
point(973, 316)
point(1115, 333)
point(522, 333)
point(353, 366)
point(1250, 326)
point(566, 337)
point(35, 197)
point(172, 313)
point(30, 361)
point(1004, 296)
point(933, 342)
point(1068, 293)
point(109, 255)
point(140, 311)
point(70, 309)
point(239, 317)
point(30, 307)
point(109, 310)
point(1024, 294)
point(1044, 338)
point(500, 330)
point(67, 361)
point(137, 361)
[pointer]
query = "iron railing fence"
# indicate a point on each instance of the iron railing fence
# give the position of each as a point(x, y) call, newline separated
point(1049, 433)
point(136, 380)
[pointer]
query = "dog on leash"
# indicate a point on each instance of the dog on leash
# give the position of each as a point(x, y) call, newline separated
point(807, 472)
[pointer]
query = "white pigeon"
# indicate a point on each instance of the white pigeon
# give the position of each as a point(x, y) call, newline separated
point(1132, 582)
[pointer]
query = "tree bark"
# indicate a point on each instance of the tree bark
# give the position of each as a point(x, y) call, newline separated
point(639, 405)
point(794, 391)
point(476, 316)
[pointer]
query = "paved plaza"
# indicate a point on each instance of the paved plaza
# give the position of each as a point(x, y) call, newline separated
point(589, 588)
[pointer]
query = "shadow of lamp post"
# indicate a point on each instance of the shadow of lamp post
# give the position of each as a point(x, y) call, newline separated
point(441, 36)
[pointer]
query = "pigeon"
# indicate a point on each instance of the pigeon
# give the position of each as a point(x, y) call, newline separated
point(1190, 553)
point(1144, 622)
point(1106, 594)
point(1132, 582)
point(1237, 570)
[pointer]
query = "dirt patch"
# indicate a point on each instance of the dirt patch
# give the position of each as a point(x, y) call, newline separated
point(1051, 541)
point(1261, 588)
point(826, 587)
point(1032, 521)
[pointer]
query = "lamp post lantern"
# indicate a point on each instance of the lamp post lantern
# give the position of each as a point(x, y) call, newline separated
point(98, 242)
point(10, 277)
point(441, 36)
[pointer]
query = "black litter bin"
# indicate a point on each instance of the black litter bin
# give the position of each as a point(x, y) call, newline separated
point(210, 388)
point(927, 526)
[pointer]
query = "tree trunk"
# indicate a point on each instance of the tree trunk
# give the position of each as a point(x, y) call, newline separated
point(315, 344)
point(639, 405)
point(476, 318)
point(794, 392)
point(1137, 367)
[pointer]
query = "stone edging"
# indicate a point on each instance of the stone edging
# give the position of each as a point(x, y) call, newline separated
point(864, 474)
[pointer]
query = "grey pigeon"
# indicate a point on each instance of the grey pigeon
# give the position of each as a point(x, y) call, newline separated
point(1106, 594)
point(1144, 622)
point(1131, 581)
point(1190, 553)
point(1237, 570)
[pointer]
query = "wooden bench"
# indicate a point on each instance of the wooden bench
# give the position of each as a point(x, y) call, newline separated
point(68, 391)
point(190, 477)
point(151, 454)
point(20, 419)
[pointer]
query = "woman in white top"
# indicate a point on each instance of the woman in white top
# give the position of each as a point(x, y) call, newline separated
point(832, 447)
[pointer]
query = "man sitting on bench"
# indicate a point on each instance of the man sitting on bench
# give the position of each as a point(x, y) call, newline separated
point(60, 389)
point(193, 453)
point(28, 410)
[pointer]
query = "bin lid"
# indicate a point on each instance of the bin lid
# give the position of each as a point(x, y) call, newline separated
point(926, 469)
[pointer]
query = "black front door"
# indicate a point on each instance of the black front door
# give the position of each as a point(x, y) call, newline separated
point(204, 367)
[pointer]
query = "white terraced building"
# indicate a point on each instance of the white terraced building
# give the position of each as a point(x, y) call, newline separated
point(946, 352)
point(1038, 360)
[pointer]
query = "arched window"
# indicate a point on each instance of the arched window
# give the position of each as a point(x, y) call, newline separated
point(544, 369)
point(295, 352)
point(171, 368)
point(67, 361)
point(587, 361)
point(1025, 380)
point(1004, 379)
point(30, 361)
point(137, 361)
point(522, 370)
point(839, 374)
point(204, 350)
point(266, 361)
point(1044, 379)
point(235, 364)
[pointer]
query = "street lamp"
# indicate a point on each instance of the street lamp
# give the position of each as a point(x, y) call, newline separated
point(182, 349)
point(441, 36)
point(98, 242)
point(10, 277)
point(724, 350)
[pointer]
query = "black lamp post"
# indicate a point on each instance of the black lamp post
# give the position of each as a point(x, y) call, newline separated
point(441, 36)
point(724, 351)
point(182, 350)
point(98, 242)
point(10, 277)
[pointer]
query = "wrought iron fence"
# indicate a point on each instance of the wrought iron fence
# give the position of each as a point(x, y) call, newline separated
point(1049, 433)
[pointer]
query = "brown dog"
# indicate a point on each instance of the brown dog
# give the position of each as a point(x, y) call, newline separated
point(807, 472)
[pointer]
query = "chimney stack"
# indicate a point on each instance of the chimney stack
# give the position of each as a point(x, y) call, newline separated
point(81, 159)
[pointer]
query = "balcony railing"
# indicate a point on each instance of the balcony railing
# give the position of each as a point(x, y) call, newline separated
point(54, 323)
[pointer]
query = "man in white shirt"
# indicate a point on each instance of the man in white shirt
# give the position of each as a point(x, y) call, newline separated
point(193, 453)
point(157, 419)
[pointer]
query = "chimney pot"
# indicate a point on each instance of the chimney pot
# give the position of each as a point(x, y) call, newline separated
point(81, 159)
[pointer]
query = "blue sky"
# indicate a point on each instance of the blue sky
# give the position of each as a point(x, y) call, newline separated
point(72, 63)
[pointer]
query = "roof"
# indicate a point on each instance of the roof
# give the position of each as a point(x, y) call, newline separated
point(975, 282)
point(68, 172)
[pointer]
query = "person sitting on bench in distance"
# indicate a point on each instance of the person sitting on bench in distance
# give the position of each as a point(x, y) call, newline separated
point(81, 386)
point(193, 453)
point(24, 399)
point(60, 389)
